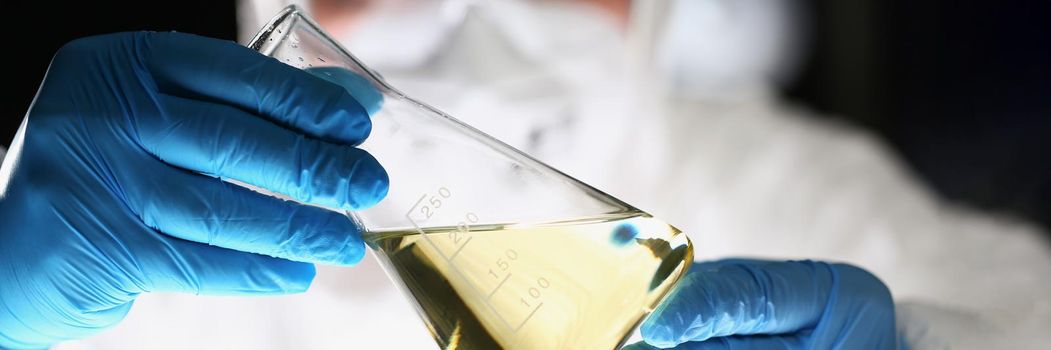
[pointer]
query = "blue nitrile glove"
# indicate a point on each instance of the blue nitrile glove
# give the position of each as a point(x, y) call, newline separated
point(752, 304)
point(104, 196)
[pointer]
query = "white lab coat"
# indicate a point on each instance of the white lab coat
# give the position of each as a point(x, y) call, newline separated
point(743, 177)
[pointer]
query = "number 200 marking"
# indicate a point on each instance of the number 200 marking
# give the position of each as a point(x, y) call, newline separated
point(463, 227)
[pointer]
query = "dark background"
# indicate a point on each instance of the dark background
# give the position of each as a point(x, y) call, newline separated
point(961, 89)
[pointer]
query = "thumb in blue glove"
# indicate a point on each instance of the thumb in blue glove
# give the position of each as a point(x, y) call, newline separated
point(754, 304)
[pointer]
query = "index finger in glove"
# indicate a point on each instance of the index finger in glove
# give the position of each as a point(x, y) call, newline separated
point(223, 72)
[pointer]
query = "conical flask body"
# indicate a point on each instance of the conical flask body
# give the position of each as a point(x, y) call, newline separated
point(496, 249)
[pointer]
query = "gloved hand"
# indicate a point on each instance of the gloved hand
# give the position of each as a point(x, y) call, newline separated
point(751, 304)
point(112, 187)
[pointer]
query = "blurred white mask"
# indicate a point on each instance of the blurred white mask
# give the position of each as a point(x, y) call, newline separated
point(515, 69)
point(728, 49)
point(545, 75)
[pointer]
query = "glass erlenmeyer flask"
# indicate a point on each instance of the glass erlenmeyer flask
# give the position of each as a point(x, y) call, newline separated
point(497, 249)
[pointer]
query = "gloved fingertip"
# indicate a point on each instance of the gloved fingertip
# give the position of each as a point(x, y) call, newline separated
point(352, 254)
point(356, 85)
point(657, 334)
point(380, 187)
point(372, 190)
point(657, 331)
point(352, 248)
point(328, 238)
point(673, 322)
point(298, 278)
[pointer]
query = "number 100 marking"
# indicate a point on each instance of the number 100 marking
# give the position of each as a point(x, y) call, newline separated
point(535, 292)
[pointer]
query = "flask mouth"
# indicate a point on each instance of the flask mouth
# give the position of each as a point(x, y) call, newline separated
point(283, 26)
point(263, 41)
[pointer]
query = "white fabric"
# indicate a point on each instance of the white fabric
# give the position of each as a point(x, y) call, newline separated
point(743, 176)
point(723, 47)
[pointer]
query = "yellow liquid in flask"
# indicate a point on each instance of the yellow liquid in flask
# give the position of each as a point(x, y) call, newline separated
point(578, 284)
